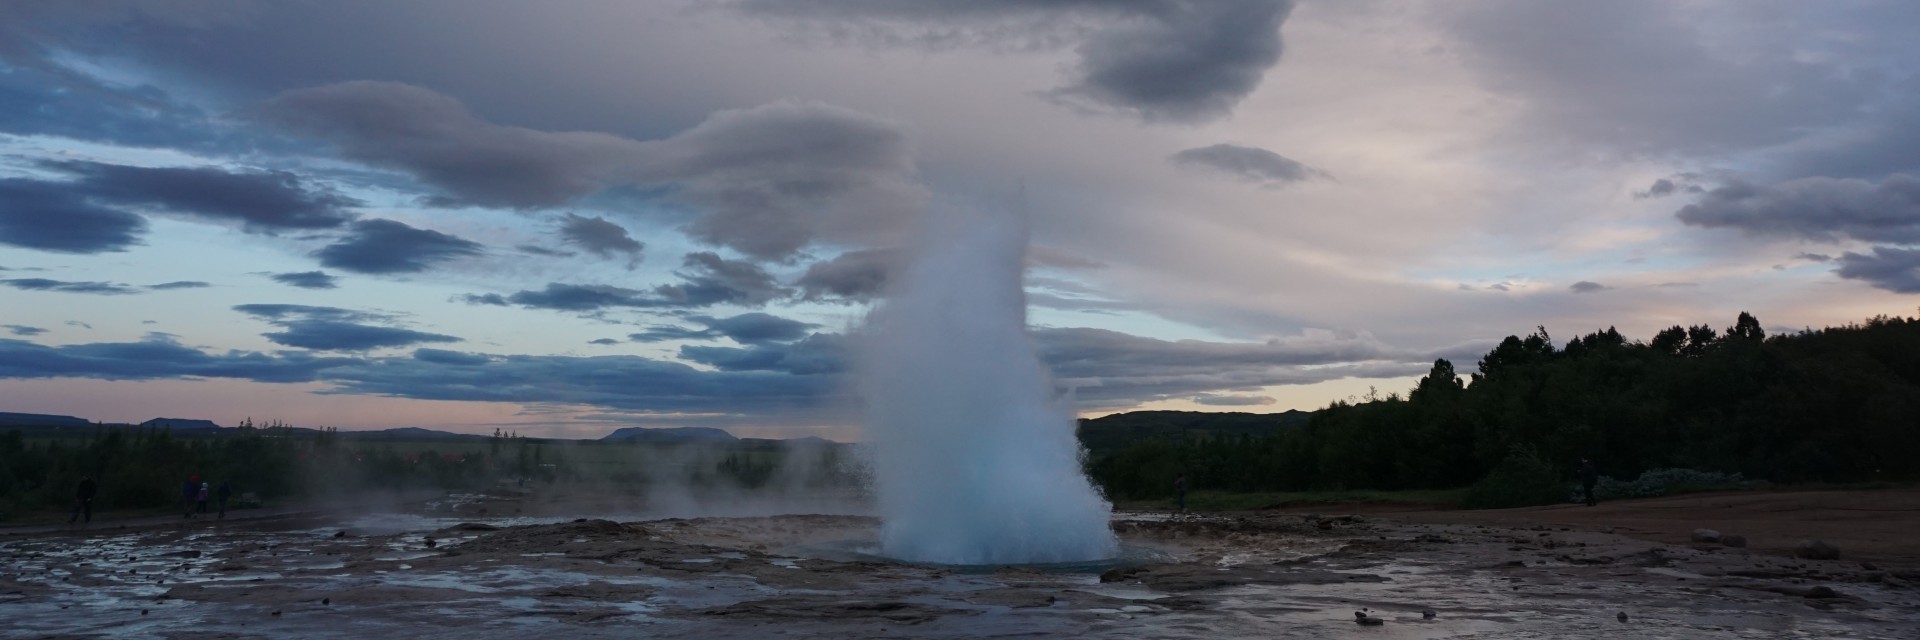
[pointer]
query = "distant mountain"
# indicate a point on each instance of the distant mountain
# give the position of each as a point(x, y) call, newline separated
point(676, 434)
point(412, 433)
point(181, 424)
point(1115, 432)
point(40, 420)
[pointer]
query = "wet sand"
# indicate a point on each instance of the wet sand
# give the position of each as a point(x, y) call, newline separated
point(1513, 574)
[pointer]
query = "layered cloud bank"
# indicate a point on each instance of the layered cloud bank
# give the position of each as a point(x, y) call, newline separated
point(544, 206)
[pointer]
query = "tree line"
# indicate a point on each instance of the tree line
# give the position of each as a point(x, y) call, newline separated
point(1840, 404)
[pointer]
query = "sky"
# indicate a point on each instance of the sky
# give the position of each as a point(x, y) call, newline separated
point(564, 218)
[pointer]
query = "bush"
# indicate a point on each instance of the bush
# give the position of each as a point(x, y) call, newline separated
point(1522, 479)
point(1661, 482)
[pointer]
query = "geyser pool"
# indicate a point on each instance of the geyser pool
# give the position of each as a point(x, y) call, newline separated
point(975, 461)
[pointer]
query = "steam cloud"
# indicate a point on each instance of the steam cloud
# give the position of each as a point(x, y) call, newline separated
point(975, 461)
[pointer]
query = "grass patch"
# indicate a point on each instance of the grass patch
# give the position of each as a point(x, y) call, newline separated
point(1253, 501)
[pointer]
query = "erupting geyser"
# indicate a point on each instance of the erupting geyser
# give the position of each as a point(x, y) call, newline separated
point(975, 460)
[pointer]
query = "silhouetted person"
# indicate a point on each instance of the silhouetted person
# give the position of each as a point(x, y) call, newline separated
point(226, 491)
point(200, 497)
point(188, 491)
point(1588, 477)
point(1180, 492)
point(83, 501)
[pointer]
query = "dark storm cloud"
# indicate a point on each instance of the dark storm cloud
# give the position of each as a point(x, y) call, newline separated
point(1817, 208)
point(456, 358)
point(49, 100)
point(619, 382)
point(328, 335)
point(572, 297)
point(436, 138)
point(1683, 183)
point(381, 246)
point(1586, 71)
point(179, 284)
point(854, 276)
point(1102, 368)
point(307, 279)
point(1161, 60)
point(335, 329)
point(156, 358)
point(601, 238)
point(1585, 286)
point(543, 251)
point(769, 180)
point(819, 353)
point(1890, 268)
point(262, 200)
point(758, 328)
point(1247, 164)
point(665, 332)
point(24, 330)
point(274, 312)
point(61, 286)
point(485, 299)
point(711, 279)
point(1215, 400)
point(747, 328)
point(707, 280)
point(50, 216)
point(765, 181)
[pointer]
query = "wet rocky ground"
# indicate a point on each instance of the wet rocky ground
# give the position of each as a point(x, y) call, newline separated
point(1224, 576)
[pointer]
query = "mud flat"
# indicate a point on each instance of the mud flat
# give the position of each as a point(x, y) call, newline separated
point(1264, 575)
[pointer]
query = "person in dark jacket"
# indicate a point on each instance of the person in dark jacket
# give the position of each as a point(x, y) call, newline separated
point(1588, 477)
point(226, 491)
point(83, 501)
point(1180, 491)
point(188, 492)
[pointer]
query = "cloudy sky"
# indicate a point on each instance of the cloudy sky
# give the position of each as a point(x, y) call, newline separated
point(567, 217)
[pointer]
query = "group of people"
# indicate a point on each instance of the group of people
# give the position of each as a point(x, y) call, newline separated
point(194, 496)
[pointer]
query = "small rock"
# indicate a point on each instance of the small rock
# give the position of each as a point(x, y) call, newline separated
point(1706, 535)
point(143, 612)
point(431, 543)
point(326, 601)
point(1369, 621)
point(1734, 540)
point(1821, 593)
point(336, 534)
point(1428, 614)
point(1869, 566)
point(1622, 616)
point(1817, 550)
point(276, 613)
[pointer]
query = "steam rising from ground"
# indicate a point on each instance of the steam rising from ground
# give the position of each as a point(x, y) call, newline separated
point(975, 461)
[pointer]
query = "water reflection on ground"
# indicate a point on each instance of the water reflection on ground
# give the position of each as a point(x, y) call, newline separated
point(442, 574)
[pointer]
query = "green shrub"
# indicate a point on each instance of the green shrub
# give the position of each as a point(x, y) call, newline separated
point(1661, 482)
point(1522, 479)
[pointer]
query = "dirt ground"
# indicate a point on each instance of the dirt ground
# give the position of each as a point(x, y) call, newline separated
point(445, 570)
point(1873, 526)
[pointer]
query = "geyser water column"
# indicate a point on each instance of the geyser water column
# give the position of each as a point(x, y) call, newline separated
point(975, 460)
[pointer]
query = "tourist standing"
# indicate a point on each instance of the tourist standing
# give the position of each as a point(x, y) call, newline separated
point(226, 491)
point(200, 497)
point(1180, 491)
point(1589, 476)
point(187, 492)
point(83, 501)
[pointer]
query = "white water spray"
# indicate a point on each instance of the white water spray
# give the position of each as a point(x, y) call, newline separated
point(975, 460)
